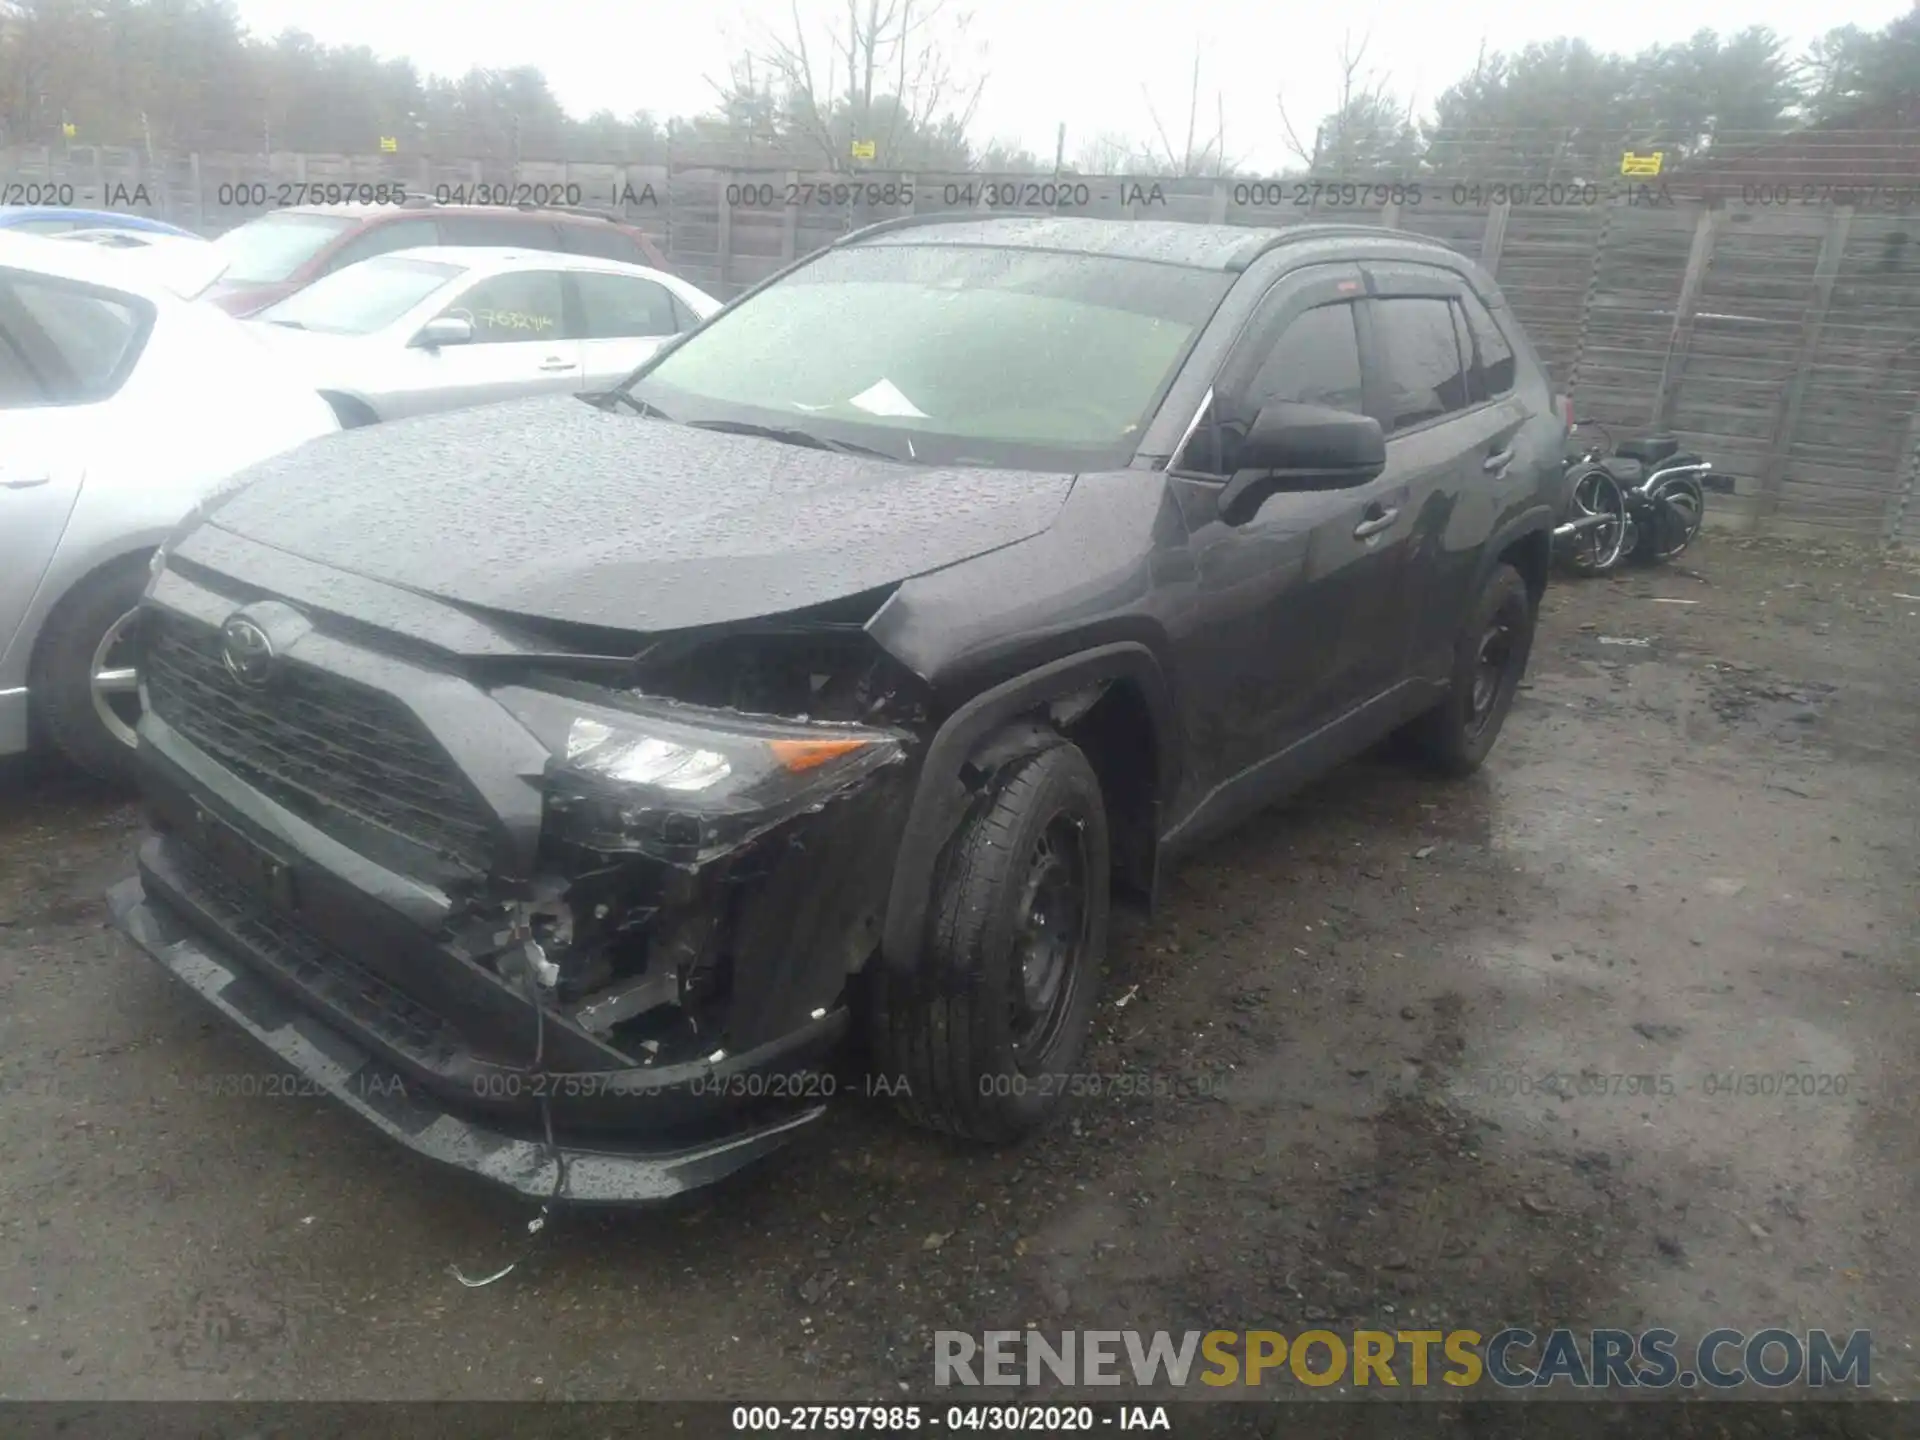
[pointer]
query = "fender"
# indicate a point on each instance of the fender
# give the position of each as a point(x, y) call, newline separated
point(941, 798)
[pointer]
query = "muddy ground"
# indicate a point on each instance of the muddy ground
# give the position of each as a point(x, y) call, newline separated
point(1374, 1021)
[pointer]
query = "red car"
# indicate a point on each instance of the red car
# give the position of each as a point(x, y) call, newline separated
point(287, 250)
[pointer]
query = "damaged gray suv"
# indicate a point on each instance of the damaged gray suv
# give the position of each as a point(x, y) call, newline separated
point(557, 784)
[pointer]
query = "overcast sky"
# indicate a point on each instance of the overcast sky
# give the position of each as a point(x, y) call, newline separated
point(1044, 62)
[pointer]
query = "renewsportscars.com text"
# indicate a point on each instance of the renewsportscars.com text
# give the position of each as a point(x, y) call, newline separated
point(1511, 1358)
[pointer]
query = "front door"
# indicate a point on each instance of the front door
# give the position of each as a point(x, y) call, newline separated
point(1285, 595)
point(520, 346)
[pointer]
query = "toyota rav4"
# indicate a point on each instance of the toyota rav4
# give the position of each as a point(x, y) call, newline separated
point(558, 783)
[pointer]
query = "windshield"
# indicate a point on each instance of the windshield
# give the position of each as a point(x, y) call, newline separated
point(956, 353)
point(362, 298)
point(268, 250)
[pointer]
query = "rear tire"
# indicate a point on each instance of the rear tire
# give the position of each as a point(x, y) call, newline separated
point(988, 1030)
point(93, 730)
point(1490, 657)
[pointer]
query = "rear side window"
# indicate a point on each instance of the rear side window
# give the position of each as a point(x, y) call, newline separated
point(602, 241)
point(508, 230)
point(618, 307)
point(1494, 356)
point(1476, 381)
point(65, 344)
point(1426, 377)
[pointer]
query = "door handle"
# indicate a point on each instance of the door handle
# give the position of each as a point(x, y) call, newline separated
point(556, 362)
point(31, 483)
point(1374, 524)
point(1494, 464)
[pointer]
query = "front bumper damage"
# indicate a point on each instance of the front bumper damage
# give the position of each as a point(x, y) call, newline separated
point(377, 1092)
point(366, 874)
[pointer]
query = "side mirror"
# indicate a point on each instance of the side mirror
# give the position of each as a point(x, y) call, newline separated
point(1302, 447)
point(446, 330)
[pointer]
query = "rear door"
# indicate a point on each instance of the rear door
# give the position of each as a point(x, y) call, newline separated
point(621, 320)
point(1450, 442)
point(520, 346)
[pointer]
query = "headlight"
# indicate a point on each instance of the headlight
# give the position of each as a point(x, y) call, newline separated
point(683, 782)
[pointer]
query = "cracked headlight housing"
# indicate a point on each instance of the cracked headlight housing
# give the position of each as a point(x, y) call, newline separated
point(685, 783)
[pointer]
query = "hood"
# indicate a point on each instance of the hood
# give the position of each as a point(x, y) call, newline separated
point(552, 508)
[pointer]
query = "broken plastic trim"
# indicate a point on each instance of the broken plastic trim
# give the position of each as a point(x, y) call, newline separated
point(683, 783)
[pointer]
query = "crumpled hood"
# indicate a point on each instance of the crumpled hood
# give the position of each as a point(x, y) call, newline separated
point(549, 507)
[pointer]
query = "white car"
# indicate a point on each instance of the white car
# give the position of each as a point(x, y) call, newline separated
point(443, 327)
point(122, 404)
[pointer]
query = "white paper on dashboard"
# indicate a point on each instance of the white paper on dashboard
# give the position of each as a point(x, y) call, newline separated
point(884, 398)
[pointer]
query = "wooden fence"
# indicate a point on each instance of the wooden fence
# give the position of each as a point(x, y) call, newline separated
point(1780, 339)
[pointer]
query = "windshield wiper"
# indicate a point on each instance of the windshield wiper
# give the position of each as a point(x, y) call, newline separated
point(290, 324)
point(639, 407)
point(788, 436)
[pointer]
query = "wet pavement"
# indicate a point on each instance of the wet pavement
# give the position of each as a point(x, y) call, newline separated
point(1623, 1031)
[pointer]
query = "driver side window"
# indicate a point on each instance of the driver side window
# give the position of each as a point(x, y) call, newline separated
point(525, 305)
point(1314, 361)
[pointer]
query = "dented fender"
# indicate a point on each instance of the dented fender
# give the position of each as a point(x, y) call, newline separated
point(942, 796)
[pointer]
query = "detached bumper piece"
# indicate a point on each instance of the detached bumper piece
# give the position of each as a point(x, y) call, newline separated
point(607, 1170)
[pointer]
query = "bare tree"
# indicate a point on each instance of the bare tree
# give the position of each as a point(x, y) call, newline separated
point(1194, 156)
point(886, 71)
point(1367, 129)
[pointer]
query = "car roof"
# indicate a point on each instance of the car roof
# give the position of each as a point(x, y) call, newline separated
point(1172, 242)
point(11, 215)
point(88, 264)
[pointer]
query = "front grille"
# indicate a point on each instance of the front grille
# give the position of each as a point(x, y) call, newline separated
point(315, 740)
point(302, 958)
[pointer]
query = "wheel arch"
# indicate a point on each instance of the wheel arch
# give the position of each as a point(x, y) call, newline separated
point(1106, 699)
point(1526, 543)
point(351, 410)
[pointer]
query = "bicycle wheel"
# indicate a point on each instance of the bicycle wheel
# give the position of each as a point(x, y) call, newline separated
point(1679, 507)
point(1599, 509)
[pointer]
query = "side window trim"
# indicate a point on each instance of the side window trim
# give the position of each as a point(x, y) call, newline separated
point(1291, 294)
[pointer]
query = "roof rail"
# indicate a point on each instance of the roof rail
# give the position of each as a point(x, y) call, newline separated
point(908, 222)
point(1333, 230)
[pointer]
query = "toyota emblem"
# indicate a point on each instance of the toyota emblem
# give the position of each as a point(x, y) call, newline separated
point(246, 650)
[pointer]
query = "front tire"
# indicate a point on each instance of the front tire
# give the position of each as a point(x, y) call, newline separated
point(988, 1031)
point(83, 687)
point(1490, 657)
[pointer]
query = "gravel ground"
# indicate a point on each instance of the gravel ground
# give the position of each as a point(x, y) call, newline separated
point(1692, 856)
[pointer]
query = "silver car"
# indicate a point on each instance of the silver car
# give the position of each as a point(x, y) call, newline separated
point(123, 403)
point(441, 327)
